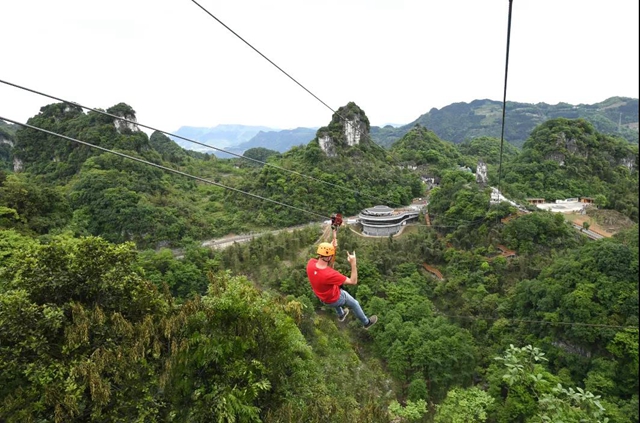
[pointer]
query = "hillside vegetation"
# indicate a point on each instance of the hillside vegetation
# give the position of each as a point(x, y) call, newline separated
point(101, 322)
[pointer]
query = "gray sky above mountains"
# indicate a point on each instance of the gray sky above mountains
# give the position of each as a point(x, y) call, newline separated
point(396, 59)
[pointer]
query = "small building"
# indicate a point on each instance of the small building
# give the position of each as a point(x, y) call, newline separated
point(535, 200)
point(587, 200)
point(385, 221)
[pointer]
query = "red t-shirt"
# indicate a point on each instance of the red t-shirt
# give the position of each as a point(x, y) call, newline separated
point(325, 282)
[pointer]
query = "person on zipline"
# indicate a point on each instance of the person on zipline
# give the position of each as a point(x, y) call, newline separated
point(326, 282)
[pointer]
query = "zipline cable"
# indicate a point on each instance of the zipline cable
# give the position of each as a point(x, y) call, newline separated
point(265, 57)
point(186, 139)
point(168, 169)
point(504, 97)
point(281, 70)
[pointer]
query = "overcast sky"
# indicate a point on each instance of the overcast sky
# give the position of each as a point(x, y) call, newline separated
point(396, 59)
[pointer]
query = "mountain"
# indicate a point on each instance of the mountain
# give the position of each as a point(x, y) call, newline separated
point(221, 136)
point(566, 158)
point(237, 139)
point(357, 173)
point(422, 148)
point(458, 122)
point(280, 141)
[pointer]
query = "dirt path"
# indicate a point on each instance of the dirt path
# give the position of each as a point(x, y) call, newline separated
point(579, 219)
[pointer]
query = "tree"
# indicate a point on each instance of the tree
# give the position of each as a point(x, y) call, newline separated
point(412, 411)
point(8, 217)
point(600, 200)
point(259, 154)
point(488, 149)
point(169, 150)
point(532, 393)
point(39, 208)
point(570, 405)
point(11, 244)
point(464, 406)
point(539, 231)
point(78, 340)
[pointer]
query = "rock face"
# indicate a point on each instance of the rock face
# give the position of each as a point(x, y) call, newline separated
point(17, 165)
point(481, 173)
point(4, 140)
point(122, 126)
point(127, 126)
point(566, 146)
point(353, 131)
point(327, 145)
point(124, 111)
point(349, 127)
point(629, 163)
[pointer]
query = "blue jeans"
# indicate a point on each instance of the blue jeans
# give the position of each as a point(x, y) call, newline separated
point(347, 300)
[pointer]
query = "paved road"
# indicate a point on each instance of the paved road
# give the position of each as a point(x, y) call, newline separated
point(221, 243)
point(587, 232)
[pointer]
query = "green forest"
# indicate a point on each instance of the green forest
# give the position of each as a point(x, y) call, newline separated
point(113, 309)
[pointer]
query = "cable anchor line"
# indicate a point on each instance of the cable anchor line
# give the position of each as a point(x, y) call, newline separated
point(168, 169)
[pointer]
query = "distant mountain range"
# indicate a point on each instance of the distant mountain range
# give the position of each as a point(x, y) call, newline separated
point(239, 138)
point(456, 122)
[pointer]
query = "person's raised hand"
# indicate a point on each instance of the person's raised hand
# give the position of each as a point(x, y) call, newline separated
point(351, 258)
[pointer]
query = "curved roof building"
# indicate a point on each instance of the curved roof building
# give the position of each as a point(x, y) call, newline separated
point(384, 221)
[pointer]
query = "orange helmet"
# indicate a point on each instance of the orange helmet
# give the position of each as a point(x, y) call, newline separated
point(326, 249)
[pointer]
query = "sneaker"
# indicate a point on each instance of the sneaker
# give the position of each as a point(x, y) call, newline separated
point(372, 321)
point(344, 316)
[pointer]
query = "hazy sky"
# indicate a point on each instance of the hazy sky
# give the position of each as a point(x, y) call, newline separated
point(396, 59)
